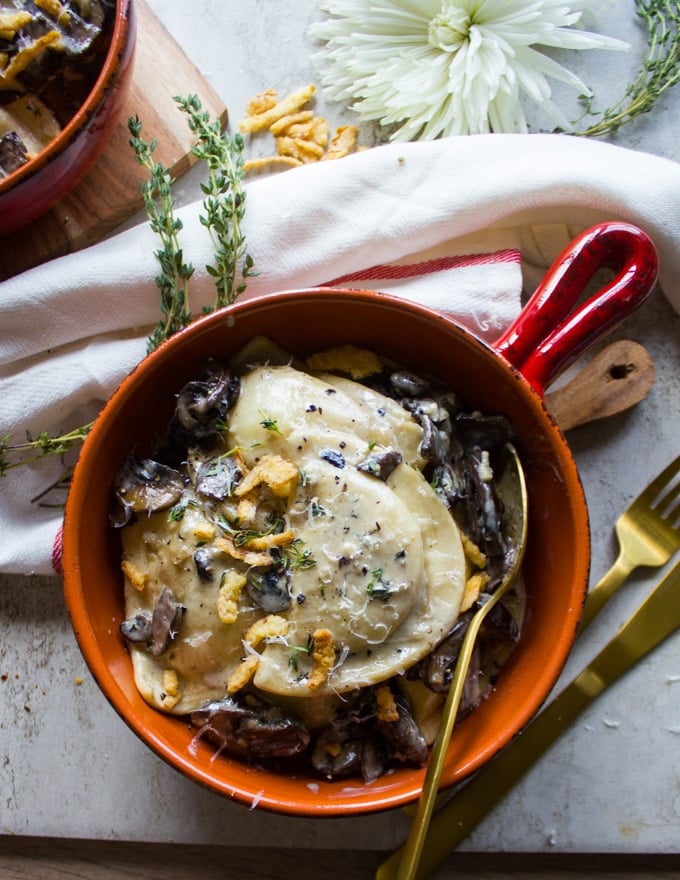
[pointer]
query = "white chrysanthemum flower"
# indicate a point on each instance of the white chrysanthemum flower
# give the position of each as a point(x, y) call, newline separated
point(446, 67)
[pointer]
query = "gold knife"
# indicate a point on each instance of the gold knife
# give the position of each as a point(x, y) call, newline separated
point(656, 619)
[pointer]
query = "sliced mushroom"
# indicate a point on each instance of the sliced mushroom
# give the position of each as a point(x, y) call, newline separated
point(503, 623)
point(407, 384)
point(218, 477)
point(13, 153)
point(380, 463)
point(270, 588)
point(202, 406)
point(436, 669)
point(448, 484)
point(335, 755)
point(204, 565)
point(402, 737)
point(435, 446)
point(351, 743)
point(491, 433)
point(165, 621)
point(251, 728)
point(137, 629)
point(144, 486)
point(427, 406)
point(483, 506)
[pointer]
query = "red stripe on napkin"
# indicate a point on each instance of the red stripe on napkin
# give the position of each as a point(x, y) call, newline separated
point(57, 550)
point(428, 267)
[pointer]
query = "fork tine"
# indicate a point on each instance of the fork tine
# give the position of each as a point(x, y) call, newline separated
point(652, 494)
point(648, 533)
point(671, 507)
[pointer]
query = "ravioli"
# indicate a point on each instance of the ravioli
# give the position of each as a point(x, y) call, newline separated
point(386, 568)
point(207, 650)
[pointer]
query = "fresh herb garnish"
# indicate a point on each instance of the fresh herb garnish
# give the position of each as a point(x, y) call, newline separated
point(269, 423)
point(294, 652)
point(316, 509)
point(159, 204)
point(176, 513)
point(299, 556)
point(659, 71)
point(377, 587)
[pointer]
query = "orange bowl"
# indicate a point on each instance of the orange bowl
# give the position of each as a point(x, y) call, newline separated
point(36, 186)
point(556, 564)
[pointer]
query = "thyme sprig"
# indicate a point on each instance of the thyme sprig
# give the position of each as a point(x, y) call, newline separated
point(173, 280)
point(224, 201)
point(224, 206)
point(659, 71)
point(34, 449)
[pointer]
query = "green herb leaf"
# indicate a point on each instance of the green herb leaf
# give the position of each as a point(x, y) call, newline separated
point(377, 587)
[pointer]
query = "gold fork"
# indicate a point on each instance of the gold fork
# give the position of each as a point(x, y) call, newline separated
point(656, 619)
point(648, 534)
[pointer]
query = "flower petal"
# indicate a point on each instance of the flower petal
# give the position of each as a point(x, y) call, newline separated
point(443, 67)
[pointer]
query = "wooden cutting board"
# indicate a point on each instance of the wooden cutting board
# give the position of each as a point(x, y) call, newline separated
point(110, 192)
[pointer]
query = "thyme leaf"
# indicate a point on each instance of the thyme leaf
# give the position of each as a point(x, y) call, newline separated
point(269, 423)
point(299, 556)
point(378, 587)
point(293, 653)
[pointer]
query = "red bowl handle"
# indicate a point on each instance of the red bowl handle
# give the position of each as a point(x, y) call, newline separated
point(548, 336)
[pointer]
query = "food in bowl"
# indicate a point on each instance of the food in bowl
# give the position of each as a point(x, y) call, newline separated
point(51, 53)
point(302, 553)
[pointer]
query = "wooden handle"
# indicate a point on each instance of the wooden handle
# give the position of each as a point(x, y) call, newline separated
point(620, 376)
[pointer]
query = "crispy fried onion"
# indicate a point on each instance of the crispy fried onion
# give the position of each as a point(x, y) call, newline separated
point(300, 136)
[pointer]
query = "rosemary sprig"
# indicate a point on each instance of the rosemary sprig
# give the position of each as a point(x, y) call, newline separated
point(224, 201)
point(173, 281)
point(660, 69)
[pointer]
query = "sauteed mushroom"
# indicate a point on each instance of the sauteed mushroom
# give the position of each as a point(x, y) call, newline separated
point(380, 463)
point(13, 153)
point(349, 744)
point(403, 739)
point(165, 621)
point(270, 588)
point(204, 565)
point(363, 738)
point(137, 629)
point(218, 477)
point(251, 728)
point(203, 405)
point(144, 486)
point(156, 630)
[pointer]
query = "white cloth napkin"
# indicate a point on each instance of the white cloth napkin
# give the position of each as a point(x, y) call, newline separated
point(461, 224)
